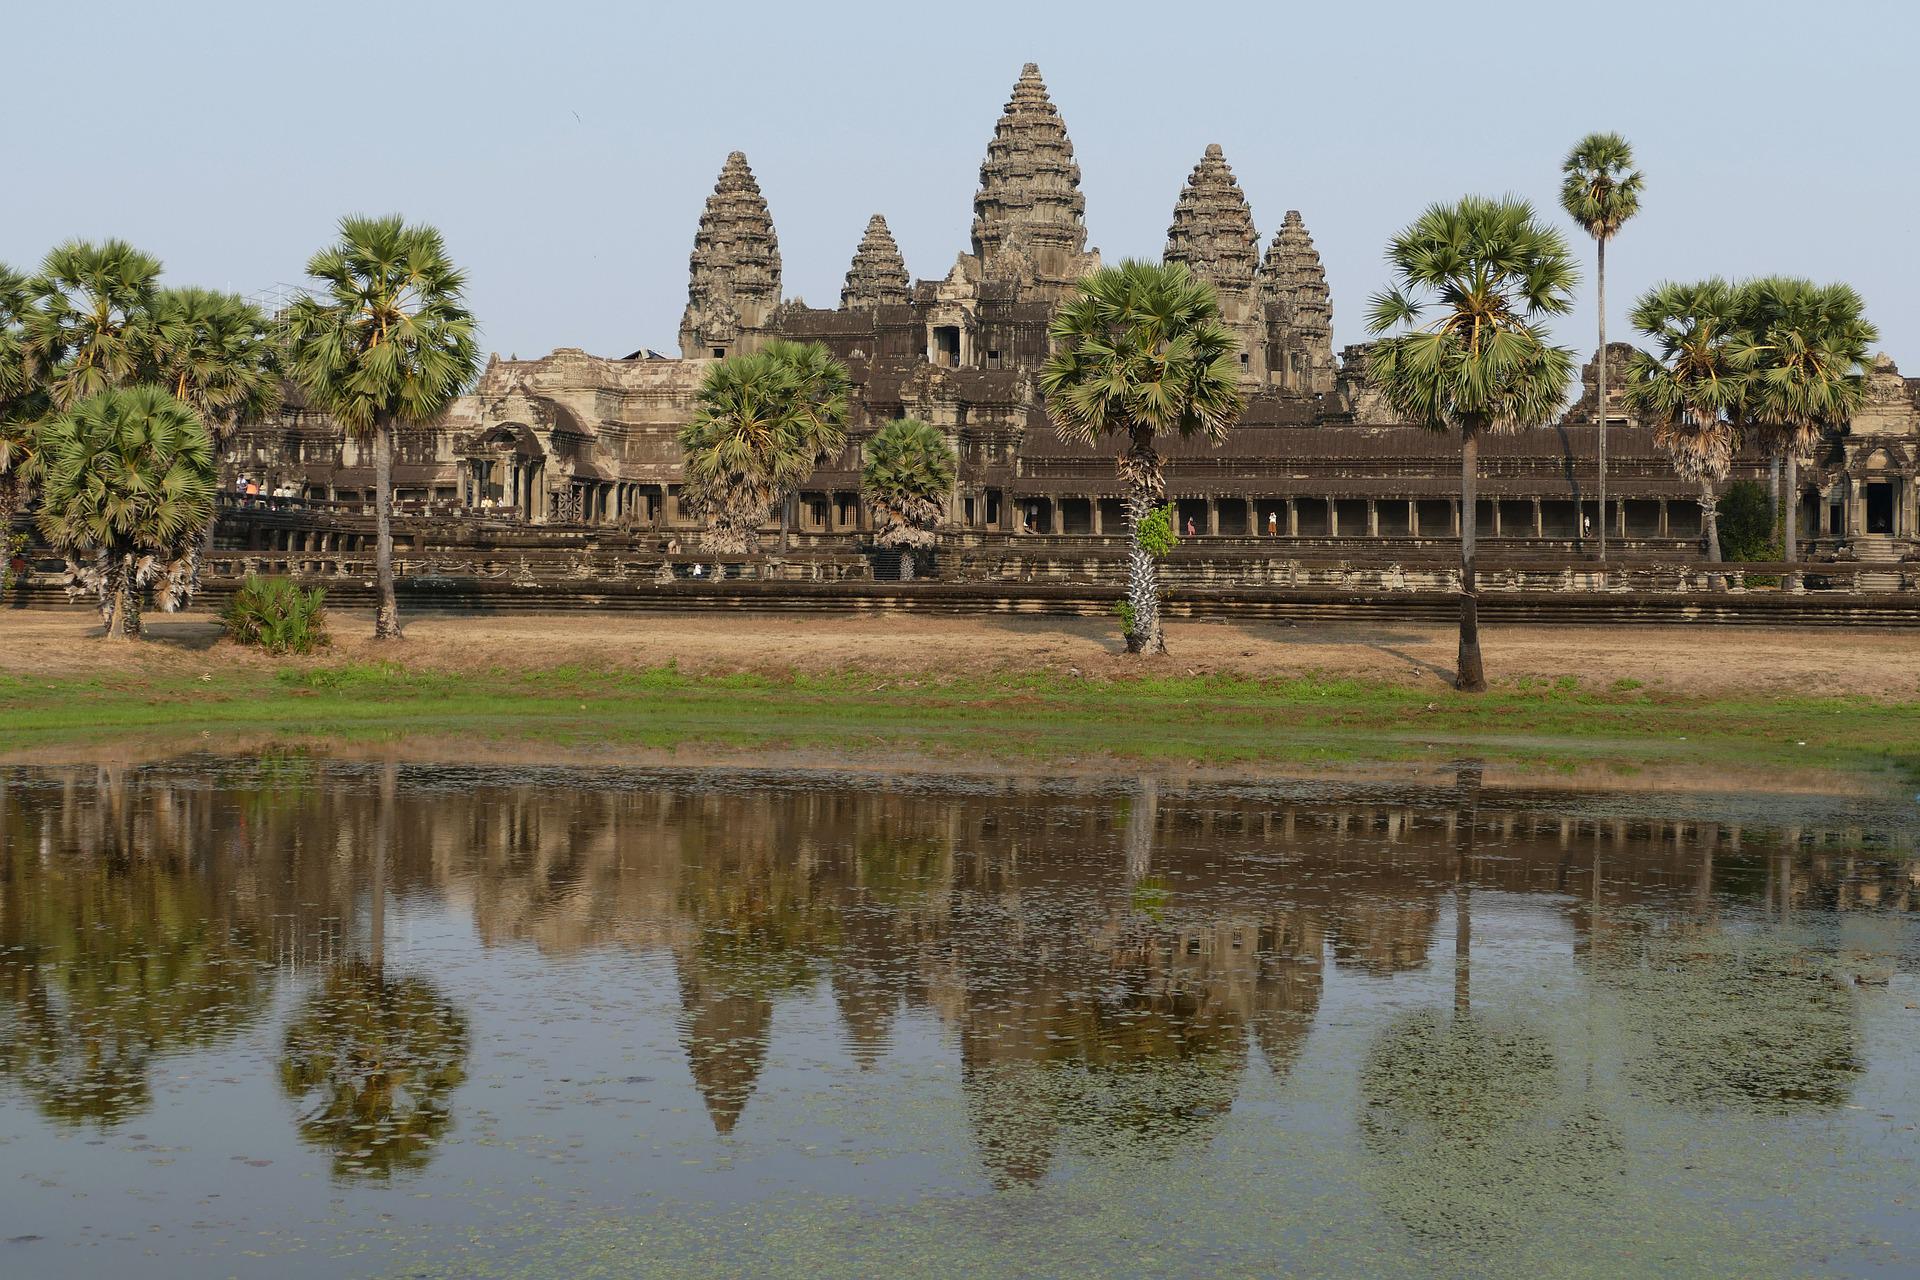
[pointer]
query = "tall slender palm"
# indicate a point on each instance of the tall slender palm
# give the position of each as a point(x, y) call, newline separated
point(1808, 346)
point(906, 480)
point(761, 423)
point(1694, 384)
point(1601, 191)
point(128, 481)
point(384, 345)
point(92, 326)
point(1139, 352)
point(1474, 282)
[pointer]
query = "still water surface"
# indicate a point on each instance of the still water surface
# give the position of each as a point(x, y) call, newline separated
point(303, 1017)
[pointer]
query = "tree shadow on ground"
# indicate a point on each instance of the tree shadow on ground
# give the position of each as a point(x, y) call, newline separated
point(181, 635)
point(1102, 633)
point(1446, 675)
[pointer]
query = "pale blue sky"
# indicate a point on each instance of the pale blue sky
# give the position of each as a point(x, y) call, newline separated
point(566, 148)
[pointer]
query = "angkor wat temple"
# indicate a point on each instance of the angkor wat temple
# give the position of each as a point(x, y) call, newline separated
point(585, 442)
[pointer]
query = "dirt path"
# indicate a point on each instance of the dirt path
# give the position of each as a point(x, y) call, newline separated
point(1701, 660)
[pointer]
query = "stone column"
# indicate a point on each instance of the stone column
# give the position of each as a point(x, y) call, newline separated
point(1539, 525)
point(1663, 517)
point(1413, 518)
point(1293, 518)
point(1097, 526)
point(1373, 518)
point(1496, 517)
point(1333, 517)
point(1213, 517)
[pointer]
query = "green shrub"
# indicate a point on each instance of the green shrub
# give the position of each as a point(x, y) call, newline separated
point(1747, 523)
point(12, 545)
point(1156, 534)
point(277, 615)
point(1123, 610)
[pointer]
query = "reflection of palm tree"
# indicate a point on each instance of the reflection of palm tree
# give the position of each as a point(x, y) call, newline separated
point(1727, 1021)
point(1470, 1135)
point(1470, 1138)
point(107, 963)
point(371, 1060)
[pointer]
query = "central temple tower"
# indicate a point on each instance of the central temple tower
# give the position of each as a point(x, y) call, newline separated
point(1029, 216)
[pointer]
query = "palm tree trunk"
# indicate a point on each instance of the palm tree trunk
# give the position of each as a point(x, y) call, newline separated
point(386, 618)
point(113, 611)
point(1710, 530)
point(1142, 820)
point(1600, 403)
point(1790, 526)
point(382, 837)
point(1140, 468)
point(1467, 781)
point(9, 504)
point(130, 621)
point(1470, 676)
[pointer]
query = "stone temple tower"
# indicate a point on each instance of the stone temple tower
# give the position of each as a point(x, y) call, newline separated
point(1029, 216)
point(1299, 311)
point(1213, 234)
point(878, 276)
point(734, 285)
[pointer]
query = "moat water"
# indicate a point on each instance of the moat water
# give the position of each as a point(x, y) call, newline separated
point(299, 1017)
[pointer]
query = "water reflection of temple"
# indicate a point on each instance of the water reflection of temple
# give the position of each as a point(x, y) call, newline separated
point(1108, 963)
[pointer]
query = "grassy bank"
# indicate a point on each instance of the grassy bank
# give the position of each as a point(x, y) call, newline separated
point(1622, 729)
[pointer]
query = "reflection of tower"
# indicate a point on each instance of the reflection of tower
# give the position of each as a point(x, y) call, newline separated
point(724, 1036)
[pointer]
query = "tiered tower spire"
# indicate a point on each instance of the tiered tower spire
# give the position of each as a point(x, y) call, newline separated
point(734, 284)
point(1213, 234)
point(1029, 214)
point(878, 276)
point(1293, 285)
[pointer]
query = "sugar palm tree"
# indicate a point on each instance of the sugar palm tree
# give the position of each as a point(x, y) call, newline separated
point(906, 480)
point(1808, 347)
point(761, 423)
point(1474, 282)
point(217, 353)
point(127, 489)
point(1694, 384)
point(1139, 352)
point(821, 398)
point(383, 346)
point(22, 404)
point(91, 328)
point(1601, 191)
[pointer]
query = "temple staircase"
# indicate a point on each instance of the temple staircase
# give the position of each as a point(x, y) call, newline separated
point(1878, 549)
